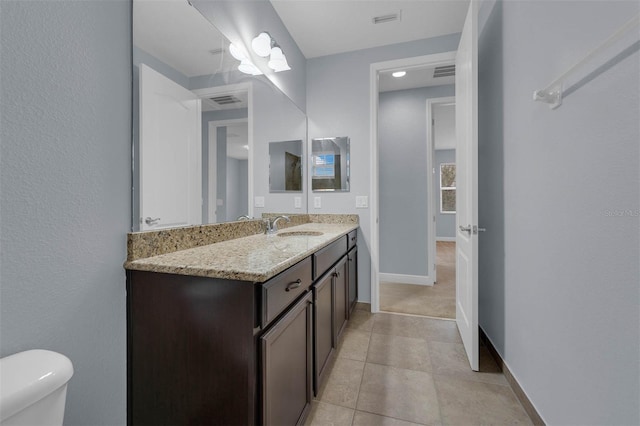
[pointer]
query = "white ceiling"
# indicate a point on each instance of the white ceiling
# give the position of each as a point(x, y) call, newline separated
point(178, 35)
point(327, 27)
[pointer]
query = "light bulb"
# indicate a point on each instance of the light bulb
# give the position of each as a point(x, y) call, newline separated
point(236, 53)
point(262, 45)
point(278, 62)
point(399, 74)
point(247, 67)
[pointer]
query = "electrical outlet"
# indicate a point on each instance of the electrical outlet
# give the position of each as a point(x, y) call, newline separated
point(258, 202)
point(297, 202)
point(362, 202)
point(317, 202)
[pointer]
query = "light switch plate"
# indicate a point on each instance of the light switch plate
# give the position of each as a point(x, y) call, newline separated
point(317, 202)
point(362, 201)
point(258, 202)
point(297, 202)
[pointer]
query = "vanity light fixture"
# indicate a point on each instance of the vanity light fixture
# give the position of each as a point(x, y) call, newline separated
point(398, 74)
point(265, 46)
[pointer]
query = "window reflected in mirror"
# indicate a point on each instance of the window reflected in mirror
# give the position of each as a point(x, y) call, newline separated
point(330, 163)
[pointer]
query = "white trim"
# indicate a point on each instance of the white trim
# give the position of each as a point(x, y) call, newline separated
point(449, 239)
point(436, 59)
point(230, 88)
point(406, 279)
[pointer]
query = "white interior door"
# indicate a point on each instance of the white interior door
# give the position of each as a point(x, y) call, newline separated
point(467, 186)
point(170, 153)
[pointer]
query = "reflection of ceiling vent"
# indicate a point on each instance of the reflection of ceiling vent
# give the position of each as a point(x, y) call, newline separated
point(226, 100)
point(386, 18)
point(232, 135)
point(445, 71)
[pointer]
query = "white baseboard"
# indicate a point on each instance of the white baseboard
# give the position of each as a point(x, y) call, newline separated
point(452, 239)
point(405, 279)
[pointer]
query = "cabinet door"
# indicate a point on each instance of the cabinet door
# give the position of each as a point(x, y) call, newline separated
point(322, 327)
point(352, 266)
point(287, 366)
point(340, 310)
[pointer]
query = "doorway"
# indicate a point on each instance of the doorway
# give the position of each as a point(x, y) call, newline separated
point(417, 182)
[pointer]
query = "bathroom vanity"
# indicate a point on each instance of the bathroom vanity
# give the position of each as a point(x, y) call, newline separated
point(238, 332)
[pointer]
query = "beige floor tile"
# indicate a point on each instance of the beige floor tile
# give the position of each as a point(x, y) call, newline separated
point(441, 330)
point(354, 345)
point(451, 359)
point(399, 393)
point(323, 414)
point(367, 419)
point(360, 320)
point(465, 402)
point(362, 306)
point(418, 327)
point(398, 325)
point(342, 384)
point(402, 352)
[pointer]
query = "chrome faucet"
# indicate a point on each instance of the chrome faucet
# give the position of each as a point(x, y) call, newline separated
point(271, 225)
point(243, 217)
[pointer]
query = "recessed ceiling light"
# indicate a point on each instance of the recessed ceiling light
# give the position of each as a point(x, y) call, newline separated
point(399, 74)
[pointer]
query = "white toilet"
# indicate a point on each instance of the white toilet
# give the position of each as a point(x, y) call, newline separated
point(33, 388)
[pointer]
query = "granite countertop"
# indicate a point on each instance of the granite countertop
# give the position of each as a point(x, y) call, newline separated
point(254, 258)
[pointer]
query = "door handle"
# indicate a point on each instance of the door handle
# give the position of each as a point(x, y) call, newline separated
point(465, 228)
point(151, 221)
point(476, 229)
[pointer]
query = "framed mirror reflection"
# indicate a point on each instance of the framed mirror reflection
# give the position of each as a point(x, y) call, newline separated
point(330, 164)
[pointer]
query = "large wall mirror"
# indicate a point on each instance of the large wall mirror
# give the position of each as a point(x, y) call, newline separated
point(201, 129)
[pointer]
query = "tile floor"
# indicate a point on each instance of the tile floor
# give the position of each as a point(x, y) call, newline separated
point(404, 370)
point(438, 300)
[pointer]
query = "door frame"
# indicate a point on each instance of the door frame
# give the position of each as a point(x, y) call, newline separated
point(431, 180)
point(239, 87)
point(437, 59)
point(213, 155)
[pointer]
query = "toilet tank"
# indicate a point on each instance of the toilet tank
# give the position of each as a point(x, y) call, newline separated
point(33, 388)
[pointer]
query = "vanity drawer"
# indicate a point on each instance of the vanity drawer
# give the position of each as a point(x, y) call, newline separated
point(352, 239)
point(324, 258)
point(280, 291)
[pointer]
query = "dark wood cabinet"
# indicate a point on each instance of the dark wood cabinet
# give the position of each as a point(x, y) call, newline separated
point(287, 369)
point(340, 290)
point(352, 267)
point(209, 351)
point(322, 327)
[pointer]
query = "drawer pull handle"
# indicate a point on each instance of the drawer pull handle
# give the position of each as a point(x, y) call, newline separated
point(297, 283)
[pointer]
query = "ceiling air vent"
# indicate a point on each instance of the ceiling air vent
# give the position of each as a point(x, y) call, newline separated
point(226, 100)
point(445, 71)
point(391, 17)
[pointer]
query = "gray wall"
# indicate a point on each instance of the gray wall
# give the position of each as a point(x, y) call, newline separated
point(445, 223)
point(404, 194)
point(237, 189)
point(559, 268)
point(65, 169)
point(338, 104)
point(279, 120)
